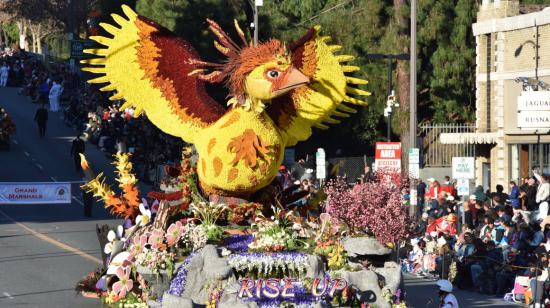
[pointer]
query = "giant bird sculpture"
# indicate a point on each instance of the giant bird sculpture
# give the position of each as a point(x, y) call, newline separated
point(277, 94)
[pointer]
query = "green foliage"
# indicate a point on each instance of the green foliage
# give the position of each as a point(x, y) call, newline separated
point(58, 44)
point(11, 30)
point(534, 2)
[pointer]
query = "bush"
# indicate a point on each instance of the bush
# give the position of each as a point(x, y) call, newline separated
point(375, 208)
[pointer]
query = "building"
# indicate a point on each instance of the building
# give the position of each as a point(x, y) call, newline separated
point(512, 134)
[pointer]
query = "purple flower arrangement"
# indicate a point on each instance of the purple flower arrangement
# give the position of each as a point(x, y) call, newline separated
point(177, 285)
point(238, 243)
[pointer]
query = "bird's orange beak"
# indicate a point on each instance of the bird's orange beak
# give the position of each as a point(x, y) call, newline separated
point(291, 80)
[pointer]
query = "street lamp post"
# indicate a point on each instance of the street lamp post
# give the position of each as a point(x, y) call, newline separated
point(391, 101)
point(255, 7)
point(412, 109)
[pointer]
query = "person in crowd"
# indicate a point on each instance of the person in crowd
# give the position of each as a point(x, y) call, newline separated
point(78, 147)
point(43, 91)
point(367, 174)
point(423, 224)
point(503, 215)
point(514, 195)
point(536, 237)
point(480, 195)
point(500, 193)
point(41, 119)
point(433, 189)
point(88, 200)
point(497, 234)
point(543, 192)
point(446, 297)
point(530, 195)
point(468, 220)
point(486, 231)
point(421, 191)
point(54, 95)
point(4, 73)
point(447, 186)
point(480, 214)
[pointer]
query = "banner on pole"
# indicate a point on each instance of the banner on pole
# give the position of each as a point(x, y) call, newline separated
point(35, 193)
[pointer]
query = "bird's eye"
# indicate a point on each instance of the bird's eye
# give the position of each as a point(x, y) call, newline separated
point(273, 74)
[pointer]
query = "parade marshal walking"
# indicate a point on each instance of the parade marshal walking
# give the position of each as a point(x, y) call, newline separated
point(41, 118)
point(78, 147)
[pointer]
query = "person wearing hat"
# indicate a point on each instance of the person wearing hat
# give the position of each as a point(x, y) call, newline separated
point(445, 293)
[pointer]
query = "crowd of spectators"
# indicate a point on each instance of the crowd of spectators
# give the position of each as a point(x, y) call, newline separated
point(486, 241)
point(93, 116)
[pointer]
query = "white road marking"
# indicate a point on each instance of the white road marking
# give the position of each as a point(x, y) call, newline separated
point(26, 153)
point(77, 200)
point(39, 166)
point(15, 141)
point(53, 179)
point(6, 294)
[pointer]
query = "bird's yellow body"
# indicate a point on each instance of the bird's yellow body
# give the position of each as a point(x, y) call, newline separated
point(239, 153)
point(278, 95)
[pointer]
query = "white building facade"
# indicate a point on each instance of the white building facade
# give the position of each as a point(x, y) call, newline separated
point(512, 124)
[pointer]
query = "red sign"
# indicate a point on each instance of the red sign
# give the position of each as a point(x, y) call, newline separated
point(388, 150)
point(388, 155)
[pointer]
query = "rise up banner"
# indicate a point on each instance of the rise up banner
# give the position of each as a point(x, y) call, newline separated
point(35, 193)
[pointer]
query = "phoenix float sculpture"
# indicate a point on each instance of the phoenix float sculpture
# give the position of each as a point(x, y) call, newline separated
point(277, 94)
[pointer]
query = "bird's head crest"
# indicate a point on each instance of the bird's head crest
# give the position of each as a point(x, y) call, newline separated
point(269, 65)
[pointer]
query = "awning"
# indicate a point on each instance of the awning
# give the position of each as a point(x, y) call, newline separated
point(468, 138)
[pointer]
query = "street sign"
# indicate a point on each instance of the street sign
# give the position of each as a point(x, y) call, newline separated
point(388, 156)
point(463, 187)
point(78, 46)
point(320, 161)
point(414, 156)
point(463, 168)
point(414, 171)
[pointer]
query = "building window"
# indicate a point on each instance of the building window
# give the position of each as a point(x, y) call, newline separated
point(523, 158)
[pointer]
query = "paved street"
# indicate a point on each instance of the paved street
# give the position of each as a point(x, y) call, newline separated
point(45, 249)
point(421, 293)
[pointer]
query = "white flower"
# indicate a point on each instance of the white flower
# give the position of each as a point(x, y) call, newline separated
point(145, 216)
point(120, 232)
point(111, 236)
point(225, 252)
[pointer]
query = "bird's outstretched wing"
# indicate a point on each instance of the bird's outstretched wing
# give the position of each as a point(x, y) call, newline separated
point(315, 104)
point(149, 67)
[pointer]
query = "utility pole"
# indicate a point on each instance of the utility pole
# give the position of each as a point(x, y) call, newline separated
point(255, 8)
point(413, 115)
point(390, 73)
point(390, 102)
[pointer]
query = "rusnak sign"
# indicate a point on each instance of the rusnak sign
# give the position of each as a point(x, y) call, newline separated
point(534, 110)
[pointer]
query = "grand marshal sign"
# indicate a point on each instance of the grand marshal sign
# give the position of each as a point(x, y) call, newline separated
point(534, 110)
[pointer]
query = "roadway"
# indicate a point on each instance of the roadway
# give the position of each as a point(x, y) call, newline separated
point(45, 249)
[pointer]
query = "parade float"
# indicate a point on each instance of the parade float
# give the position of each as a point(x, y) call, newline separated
point(221, 232)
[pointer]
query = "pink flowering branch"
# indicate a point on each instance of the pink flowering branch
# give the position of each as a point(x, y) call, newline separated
point(374, 208)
